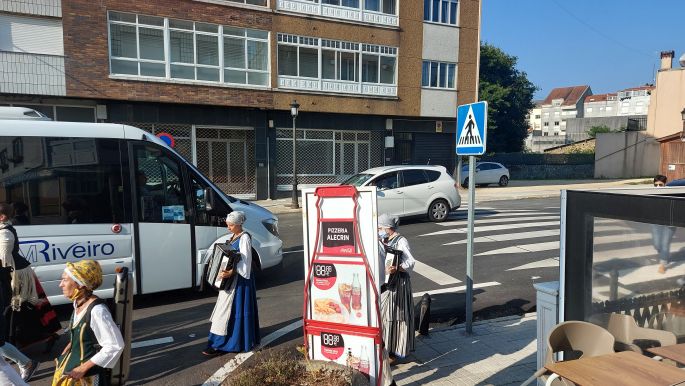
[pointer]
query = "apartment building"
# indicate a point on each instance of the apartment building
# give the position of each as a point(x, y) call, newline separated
point(219, 77)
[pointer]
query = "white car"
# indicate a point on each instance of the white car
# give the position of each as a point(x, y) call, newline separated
point(405, 190)
point(486, 173)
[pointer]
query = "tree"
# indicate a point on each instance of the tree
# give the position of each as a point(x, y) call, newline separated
point(594, 130)
point(510, 96)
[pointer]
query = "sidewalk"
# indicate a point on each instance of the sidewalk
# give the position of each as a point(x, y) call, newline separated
point(500, 352)
point(516, 190)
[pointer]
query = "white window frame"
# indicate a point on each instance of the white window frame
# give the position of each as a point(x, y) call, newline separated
point(331, 11)
point(438, 87)
point(195, 32)
point(429, 18)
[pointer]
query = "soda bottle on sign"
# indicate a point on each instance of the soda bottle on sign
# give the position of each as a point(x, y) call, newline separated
point(356, 295)
point(364, 361)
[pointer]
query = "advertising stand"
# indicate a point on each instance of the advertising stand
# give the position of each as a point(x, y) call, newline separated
point(341, 312)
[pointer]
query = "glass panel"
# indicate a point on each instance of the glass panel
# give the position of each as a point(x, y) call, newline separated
point(319, 134)
point(370, 68)
point(436, 11)
point(151, 20)
point(387, 70)
point(413, 177)
point(161, 193)
point(426, 9)
point(208, 50)
point(204, 27)
point(348, 66)
point(182, 47)
point(434, 74)
point(328, 64)
point(287, 60)
point(258, 78)
point(124, 67)
point(234, 52)
point(445, 12)
point(319, 155)
point(309, 62)
point(443, 75)
point(151, 43)
point(256, 2)
point(255, 33)
point(349, 165)
point(232, 76)
point(332, 2)
point(234, 31)
point(362, 156)
point(153, 69)
point(123, 41)
point(425, 74)
point(350, 3)
point(453, 12)
point(389, 7)
point(451, 68)
point(118, 16)
point(182, 72)
point(372, 5)
point(181, 24)
point(208, 74)
point(257, 55)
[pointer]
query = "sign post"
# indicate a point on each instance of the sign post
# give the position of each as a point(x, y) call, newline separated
point(472, 132)
point(342, 320)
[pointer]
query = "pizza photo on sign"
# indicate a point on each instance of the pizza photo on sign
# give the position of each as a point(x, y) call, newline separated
point(330, 310)
point(338, 237)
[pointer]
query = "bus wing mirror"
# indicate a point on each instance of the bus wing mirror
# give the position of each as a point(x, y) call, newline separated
point(209, 199)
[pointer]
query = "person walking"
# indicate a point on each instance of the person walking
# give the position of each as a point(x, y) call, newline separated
point(397, 303)
point(95, 342)
point(662, 235)
point(32, 318)
point(11, 263)
point(235, 319)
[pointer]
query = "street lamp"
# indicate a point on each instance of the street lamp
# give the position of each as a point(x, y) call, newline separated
point(294, 107)
point(682, 133)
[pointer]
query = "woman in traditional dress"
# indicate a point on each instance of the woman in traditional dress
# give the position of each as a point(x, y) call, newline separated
point(397, 304)
point(95, 340)
point(235, 320)
point(32, 318)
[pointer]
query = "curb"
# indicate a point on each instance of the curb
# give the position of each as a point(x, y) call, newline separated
point(481, 322)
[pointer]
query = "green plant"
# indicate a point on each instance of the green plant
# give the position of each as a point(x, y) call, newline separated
point(594, 130)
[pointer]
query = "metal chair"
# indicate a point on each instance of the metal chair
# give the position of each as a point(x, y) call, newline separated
point(575, 339)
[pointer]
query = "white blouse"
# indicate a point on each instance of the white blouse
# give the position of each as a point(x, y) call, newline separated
point(408, 260)
point(244, 266)
point(107, 334)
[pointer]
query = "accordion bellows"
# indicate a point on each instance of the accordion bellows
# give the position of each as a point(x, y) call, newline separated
point(224, 257)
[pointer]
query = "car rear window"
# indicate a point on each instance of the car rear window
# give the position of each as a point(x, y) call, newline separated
point(413, 177)
point(432, 175)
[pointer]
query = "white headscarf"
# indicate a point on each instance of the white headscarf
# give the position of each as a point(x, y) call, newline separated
point(236, 217)
point(388, 221)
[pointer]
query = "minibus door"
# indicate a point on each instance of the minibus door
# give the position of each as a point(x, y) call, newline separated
point(163, 228)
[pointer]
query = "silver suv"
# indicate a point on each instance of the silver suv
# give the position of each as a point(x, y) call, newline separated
point(408, 190)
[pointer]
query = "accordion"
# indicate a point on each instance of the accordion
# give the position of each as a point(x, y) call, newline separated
point(395, 262)
point(223, 258)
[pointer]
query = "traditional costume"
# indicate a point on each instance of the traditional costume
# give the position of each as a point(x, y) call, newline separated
point(235, 319)
point(397, 303)
point(93, 334)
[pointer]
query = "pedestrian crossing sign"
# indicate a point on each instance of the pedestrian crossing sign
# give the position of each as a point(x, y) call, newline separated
point(472, 128)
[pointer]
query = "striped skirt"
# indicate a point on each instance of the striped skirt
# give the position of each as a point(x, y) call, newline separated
point(397, 311)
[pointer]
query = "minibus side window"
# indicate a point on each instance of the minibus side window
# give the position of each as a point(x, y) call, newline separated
point(159, 184)
point(216, 216)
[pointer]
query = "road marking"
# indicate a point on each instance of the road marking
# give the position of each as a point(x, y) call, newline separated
point(546, 263)
point(433, 274)
point(460, 219)
point(297, 251)
point(523, 248)
point(489, 220)
point(152, 342)
point(455, 289)
point(220, 375)
point(489, 228)
point(510, 236)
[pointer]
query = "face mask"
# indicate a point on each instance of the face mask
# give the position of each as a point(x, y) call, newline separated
point(383, 234)
point(78, 292)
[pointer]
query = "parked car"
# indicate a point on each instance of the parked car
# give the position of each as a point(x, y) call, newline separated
point(486, 173)
point(406, 190)
point(680, 182)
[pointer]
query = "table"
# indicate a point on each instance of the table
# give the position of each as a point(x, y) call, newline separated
point(626, 368)
point(674, 352)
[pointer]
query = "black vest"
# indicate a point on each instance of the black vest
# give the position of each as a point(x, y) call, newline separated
point(19, 261)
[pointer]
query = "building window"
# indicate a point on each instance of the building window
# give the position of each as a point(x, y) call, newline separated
point(546, 124)
point(382, 12)
point(156, 47)
point(345, 66)
point(440, 11)
point(537, 116)
point(546, 115)
point(556, 123)
point(438, 74)
point(556, 113)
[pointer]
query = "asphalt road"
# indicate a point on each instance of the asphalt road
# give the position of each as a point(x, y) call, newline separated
point(515, 248)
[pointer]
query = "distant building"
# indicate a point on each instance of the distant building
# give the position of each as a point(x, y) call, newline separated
point(668, 98)
point(600, 105)
point(560, 105)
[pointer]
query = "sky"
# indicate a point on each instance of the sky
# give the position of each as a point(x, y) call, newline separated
point(609, 45)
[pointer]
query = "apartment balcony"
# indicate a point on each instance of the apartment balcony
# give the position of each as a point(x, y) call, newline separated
point(338, 12)
point(336, 86)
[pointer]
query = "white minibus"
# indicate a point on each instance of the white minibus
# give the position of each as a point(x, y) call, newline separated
point(119, 195)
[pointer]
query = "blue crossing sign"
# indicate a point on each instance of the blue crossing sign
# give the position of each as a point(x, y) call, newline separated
point(472, 128)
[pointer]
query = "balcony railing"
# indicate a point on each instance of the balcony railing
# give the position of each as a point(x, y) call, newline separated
point(338, 12)
point(336, 86)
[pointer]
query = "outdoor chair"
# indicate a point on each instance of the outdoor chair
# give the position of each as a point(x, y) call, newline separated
point(671, 322)
point(631, 337)
point(575, 339)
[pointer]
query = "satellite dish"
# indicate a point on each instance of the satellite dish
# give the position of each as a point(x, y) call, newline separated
point(682, 60)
